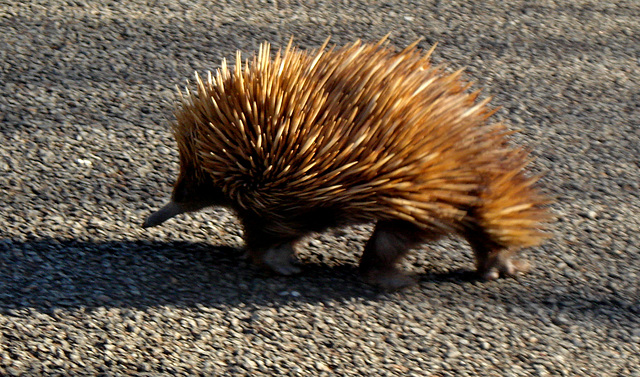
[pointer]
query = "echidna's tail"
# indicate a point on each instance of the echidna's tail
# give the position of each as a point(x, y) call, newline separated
point(512, 212)
point(510, 215)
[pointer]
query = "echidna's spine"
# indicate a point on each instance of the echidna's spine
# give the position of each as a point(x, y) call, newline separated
point(380, 134)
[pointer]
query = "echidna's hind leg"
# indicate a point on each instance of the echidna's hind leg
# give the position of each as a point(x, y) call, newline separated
point(492, 259)
point(389, 242)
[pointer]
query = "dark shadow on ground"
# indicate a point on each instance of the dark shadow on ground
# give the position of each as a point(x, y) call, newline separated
point(46, 274)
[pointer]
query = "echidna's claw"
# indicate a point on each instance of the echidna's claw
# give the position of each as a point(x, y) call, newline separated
point(389, 279)
point(279, 259)
point(503, 264)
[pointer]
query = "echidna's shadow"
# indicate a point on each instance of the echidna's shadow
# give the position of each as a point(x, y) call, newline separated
point(45, 274)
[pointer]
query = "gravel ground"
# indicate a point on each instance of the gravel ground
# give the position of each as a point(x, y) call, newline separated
point(86, 154)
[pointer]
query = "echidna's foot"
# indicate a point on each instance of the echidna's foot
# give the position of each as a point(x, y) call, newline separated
point(389, 241)
point(388, 279)
point(502, 263)
point(280, 259)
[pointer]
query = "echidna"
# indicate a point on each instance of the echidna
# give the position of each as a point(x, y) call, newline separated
point(309, 140)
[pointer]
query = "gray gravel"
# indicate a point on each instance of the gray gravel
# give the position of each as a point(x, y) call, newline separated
point(86, 154)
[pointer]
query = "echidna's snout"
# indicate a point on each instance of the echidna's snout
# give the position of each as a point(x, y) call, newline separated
point(170, 210)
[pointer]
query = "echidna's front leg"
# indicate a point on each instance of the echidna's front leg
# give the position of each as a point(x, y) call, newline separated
point(280, 259)
point(492, 260)
point(389, 242)
point(273, 253)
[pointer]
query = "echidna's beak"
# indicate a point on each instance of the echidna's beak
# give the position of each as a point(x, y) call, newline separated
point(163, 214)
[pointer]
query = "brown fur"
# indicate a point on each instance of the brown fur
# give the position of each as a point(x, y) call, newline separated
point(307, 140)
